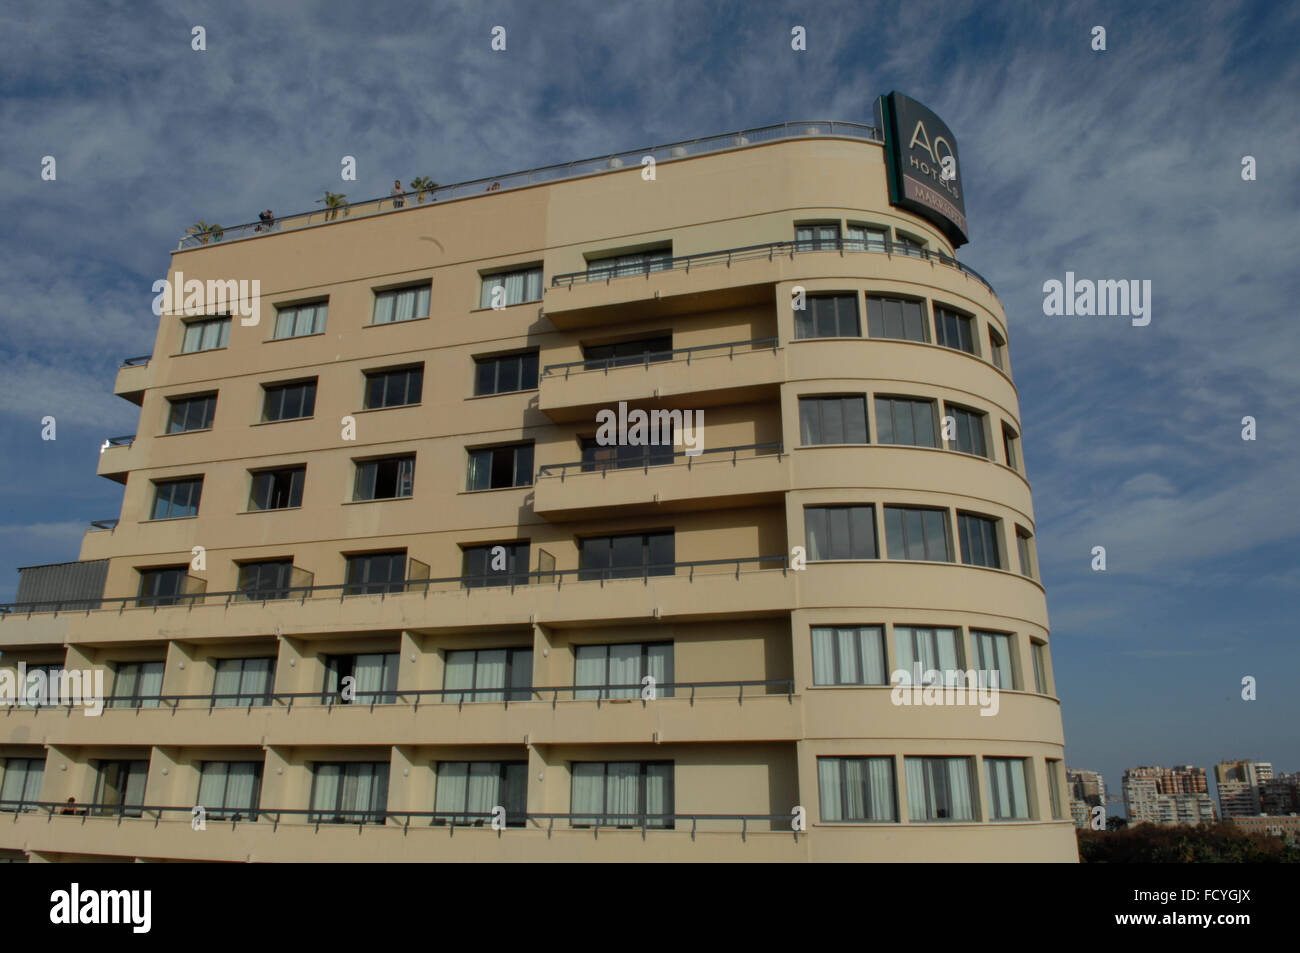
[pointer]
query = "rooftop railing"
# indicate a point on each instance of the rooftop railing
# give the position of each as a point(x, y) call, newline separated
point(137, 361)
point(652, 458)
point(769, 250)
point(123, 441)
point(619, 161)
point(467, 584)
point(659, 357)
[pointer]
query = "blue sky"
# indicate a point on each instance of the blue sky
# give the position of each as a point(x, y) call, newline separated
point(1117, 164)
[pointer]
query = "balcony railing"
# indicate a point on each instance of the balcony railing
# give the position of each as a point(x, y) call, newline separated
point(123, 441)
point(769, 251)
point(104, 524)
point(659, 357)
point(552, 173)
point(645, 461)
point(340, 591)
point(137, 361)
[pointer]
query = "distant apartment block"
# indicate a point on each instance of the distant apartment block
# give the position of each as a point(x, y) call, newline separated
point(1239, 786)
point(1177, 795)
point(1087, 790)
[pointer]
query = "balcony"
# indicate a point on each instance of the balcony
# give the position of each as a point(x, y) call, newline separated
point(115, 458)
point(750, 475)
point(132, 379)
point(711, 374)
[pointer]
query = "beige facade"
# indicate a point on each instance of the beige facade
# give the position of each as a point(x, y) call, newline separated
point(752, 726)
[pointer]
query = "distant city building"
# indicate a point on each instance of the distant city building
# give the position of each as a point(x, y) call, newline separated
point(1087, 790)
point(1176, 795)
point(1280, 795)
point(1287, 828)
point(1239, 786)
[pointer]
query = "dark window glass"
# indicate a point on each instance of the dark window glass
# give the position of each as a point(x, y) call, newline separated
point(597, 457)
point(1024, 543)
point(174, 499)
point(277, 489)
point(136, 685)
point(832, 420)
point(162, 587)
point(900, 318)
point(979, 541)
point(954, 330)
point(817, 237)
point(22, 783)
point(494, 468)
point(387, 478)
point(900, 420)
point(644, 351)
point(828, 316)
point(495, 564)
point(502, 375)
point(266, 580)
point(191, 413)
point(969, 433)
point(627, 556)
point(1011, 446)
point(999, 347)
point(119, 787)
point(639, 263)
point(916, 533)
point(289, 401)
point(395, 388)
point(840, 532)
point(376, 572)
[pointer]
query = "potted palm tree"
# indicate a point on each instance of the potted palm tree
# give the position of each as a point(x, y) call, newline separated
point(203, 231)
point(422, 184)
point(333, 201)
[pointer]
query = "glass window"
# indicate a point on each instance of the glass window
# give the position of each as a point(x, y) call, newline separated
point(162, 586)
point(176, 499)
point(979, 541)
point(899, 318)
point(902, 420)
point(269, 579)
point(206, 335)
point(638, 263)
point(598, 457)
point(940, 789)
point(1025, 544)
point(968, 436)
point(830, 420)
point(394, 388)
point(386, 478)
point(849, 655)
point(277, 489)
point(817, 236)
point(998, 347)
point(495, 564)
point(625, 353)
point(191, 413)
point(828, 316)
point(401, 304)
point(954, 330)
point(866, 238)
point(119, 787)
point(44, 683)
point(1041, 682)
point(1054, 789)
point(625, 664)
point(622, 794)
point(468, 791)
point(504, 374)
point(856, 789)
point(373, 679)
point(289, 401)
point(351, 792)
point(376, 572)
point(935, 652)
point(489, 675)
point(230, 790)
point(241, 682)
point(629, 556)
point(840, 532)
point(22, 783)
point(136, 684)
point(1008, 795)
point(1011, 446)
point(993, 657)
point(516, 286)
point(917, 533)
point(907, 245)
point(495, 468)
point(300, 320)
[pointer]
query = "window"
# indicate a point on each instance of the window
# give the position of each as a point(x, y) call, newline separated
point(908, 245)
point(373, 679)
point(849, 655)
point(954, 330)
point(968, 436)
point(624, 353)
point(1054, 789)
point(901, 318)
point(623, 794)
point(828, 316)
point(993, 657)
point(376, 572)
point(505, 373)
point(176, 499)
point(917, 533)
point(229, 790)
point(484, 674)
point(517, 286)
point(136, 684)
point(829, 420)
point(269, 579)
point(902, 420)
point(397, 387)
point(242, 682)
point(467, 792)
point(979, 541)
point(1041, 682)
point(817, 236)
point(495, 564)
point(289, 401)
point(119, 787)
point(277, 489)
point(384, 478)
point(22, 783)
point(638, 263)
point(626, 557)
point(495, 468)
point(191, 413)
point(867, 238)
point(623, 664)
point(597, 458)
point(840, 532)
point(401, 304)
point(300, 320)
point(44, 682)
point(856, 789)
point(351, 792)
point(1008, 797)
point(1025, 544)
point(934, 652)
point(998, 348)
point(1011, 446)
point(162, 586)
point(940, 789)
point(206, 335)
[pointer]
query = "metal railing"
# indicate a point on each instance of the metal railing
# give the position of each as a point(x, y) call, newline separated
point(769, 251)
point(123, 441)
point(660, 357)
point(614, 162)
point(104, 524)
point(466, 584)
point(645, 461)
point(137, 361)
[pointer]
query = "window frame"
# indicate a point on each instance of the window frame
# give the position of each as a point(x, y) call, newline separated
point(220, 321)
point(905, 542)
point(170, 484)
point(643, 774)
point(993, 525)
point(840, 762)
point(958, 320)
point(226, 812)
point(820, 401)
point(826, 508)
point(599, 691)
point(209, 412)
point(996, 795)
point(936, 431)
point(968, 417)
point(403, 478)
point(271, 479)
point(372, 815)
point(496, 361)
point(836, 659)
point(921, 316)
point(809, 321)
point(320, 316)
point(504, 275)
point(353, 587)
point(278, 393)
point(522, 454)
point(394, 294)
point(645, 569)
point(385, 376)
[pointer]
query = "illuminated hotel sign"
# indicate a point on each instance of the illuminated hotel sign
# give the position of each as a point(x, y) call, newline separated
point(924, 172)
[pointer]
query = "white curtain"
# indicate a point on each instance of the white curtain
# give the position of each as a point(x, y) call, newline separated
point(369, 672)
point(660, 663)
point(325, 791)
point(823, 643)
point(212, 786)
point(453, 783)
point(995, 656)
point(490, 673)
point(880, 786)
point(658, 793)
point(625, 669)
point(590, 669)
point(850, 671)
point(484, 778)
point(404, 305)
point(151, 676)
point(1007, 794)
point(917, 803)
point(871, 652)
point(226, 683)
point(459, 674)
point(622, 783)
point(240, 779)
point(384, 308)
point(137, 774)
point(256, 679)
point(960, 788)
point(855, 785)
point(588, 798)
point(935, 649)
point(828, 784)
